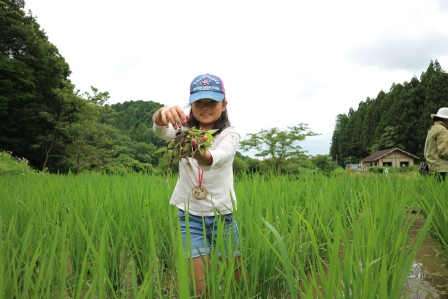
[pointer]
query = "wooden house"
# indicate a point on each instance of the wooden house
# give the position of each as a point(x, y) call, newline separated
point(392, 157)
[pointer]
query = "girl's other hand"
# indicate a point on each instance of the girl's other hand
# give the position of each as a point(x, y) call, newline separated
point(171, 114)
point(195, 144)
point(202, 155)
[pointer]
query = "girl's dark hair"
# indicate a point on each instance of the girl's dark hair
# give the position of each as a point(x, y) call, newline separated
point(436, 118)
point(222, 122)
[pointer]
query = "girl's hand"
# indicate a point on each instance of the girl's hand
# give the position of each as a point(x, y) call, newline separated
point(203, 156)
point(171, 114)
point(195, 144)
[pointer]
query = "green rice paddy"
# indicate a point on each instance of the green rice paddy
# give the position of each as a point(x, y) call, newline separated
point(313, 236)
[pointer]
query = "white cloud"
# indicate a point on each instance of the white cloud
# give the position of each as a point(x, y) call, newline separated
point(401, 52)
point(283, 62)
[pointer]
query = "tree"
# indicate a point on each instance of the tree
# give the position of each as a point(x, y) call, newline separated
point(389, 139)
point(277, 146)
point(340, 143)
point(323, 163)
point(240, 166)
point(399, 118)
point(33, 86)
point(88, 132)
point(135, 119)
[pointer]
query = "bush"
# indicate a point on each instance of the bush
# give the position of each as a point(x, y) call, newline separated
point(376, 169)
point(13, 165)
point(339, 172)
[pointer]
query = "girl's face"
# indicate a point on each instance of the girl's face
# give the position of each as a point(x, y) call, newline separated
point(207, 112)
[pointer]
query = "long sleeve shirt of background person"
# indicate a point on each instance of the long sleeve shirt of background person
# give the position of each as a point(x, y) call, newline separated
point(217, 177)
point(436, 147)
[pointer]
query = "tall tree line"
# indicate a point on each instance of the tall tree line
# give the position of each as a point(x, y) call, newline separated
point(397, 118)
point(55, 127)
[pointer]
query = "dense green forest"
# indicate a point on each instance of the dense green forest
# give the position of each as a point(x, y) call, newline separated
point(398, 118)
point(60, 129)
point(55, 127)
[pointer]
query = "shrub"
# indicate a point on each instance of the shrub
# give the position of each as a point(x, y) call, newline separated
point(13, 165)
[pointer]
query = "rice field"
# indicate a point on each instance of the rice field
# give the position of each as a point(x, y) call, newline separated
point(98, 236)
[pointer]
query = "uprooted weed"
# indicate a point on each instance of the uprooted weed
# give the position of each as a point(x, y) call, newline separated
point(182, 146)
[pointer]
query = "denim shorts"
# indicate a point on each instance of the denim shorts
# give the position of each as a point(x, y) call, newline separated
point(204, 232)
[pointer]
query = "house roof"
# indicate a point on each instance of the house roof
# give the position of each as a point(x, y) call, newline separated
point(380, 154)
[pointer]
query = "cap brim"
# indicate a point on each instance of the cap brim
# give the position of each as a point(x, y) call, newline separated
point(216, 96)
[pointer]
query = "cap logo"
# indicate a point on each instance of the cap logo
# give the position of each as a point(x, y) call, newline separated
point(205, 80)
point(205, 83)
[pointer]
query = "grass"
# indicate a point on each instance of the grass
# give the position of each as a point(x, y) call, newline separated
point(99, 236)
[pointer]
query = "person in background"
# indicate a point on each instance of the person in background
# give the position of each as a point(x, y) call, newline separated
point(204, 193)
point(436, 144)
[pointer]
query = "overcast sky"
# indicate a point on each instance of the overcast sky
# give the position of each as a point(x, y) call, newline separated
point(282, 62)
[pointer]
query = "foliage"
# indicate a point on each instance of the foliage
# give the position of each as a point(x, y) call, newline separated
point(401, 169)
point(60, 130)
point(182, 145)
point(240, 166)
point(116, 236)
point(250, 164)
point(339, 172)
point(45, 120)
point(277, 146)
point(376, 169)
point(35, 93)
point(428, 192)
point(323, 163)
point(397, 118)
point(125, 164)
point(13, 165)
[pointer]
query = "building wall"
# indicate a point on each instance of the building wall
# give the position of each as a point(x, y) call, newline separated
point(397, 159)
point(394, 159)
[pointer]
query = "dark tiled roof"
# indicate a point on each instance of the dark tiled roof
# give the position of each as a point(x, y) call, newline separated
point(380, 154)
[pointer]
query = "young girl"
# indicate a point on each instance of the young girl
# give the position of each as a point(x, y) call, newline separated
point(204, 191)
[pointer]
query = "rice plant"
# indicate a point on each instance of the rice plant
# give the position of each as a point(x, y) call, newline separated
point(116, 236)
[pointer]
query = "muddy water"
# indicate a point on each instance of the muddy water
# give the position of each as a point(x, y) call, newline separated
point(428, 278)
